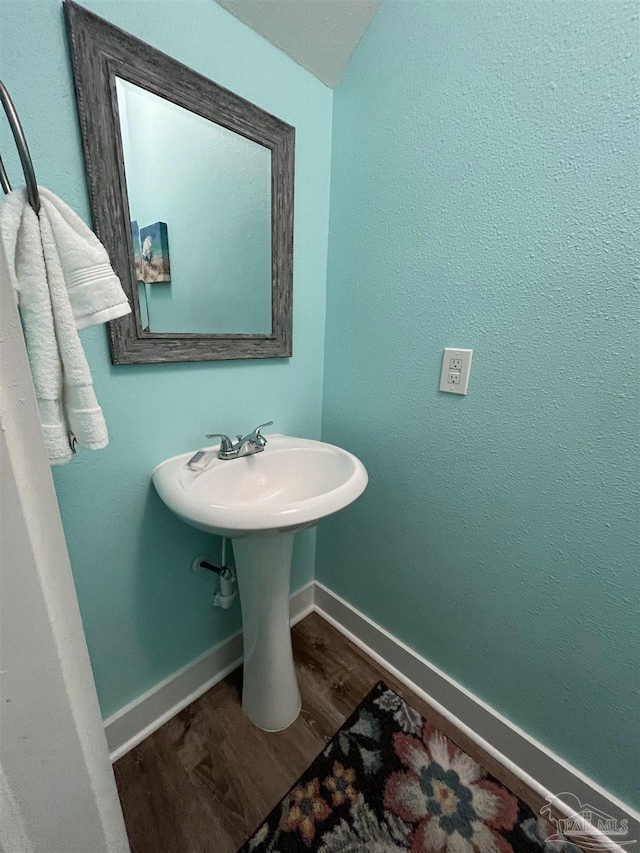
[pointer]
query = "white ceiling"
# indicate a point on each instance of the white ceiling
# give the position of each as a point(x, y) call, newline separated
point(320, 35)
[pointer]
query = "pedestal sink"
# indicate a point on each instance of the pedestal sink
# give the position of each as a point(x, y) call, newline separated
point(260, 501)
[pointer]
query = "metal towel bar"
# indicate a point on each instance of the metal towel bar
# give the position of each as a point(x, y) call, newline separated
point(23, 151)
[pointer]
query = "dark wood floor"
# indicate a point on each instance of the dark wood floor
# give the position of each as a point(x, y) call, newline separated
point(204, 781)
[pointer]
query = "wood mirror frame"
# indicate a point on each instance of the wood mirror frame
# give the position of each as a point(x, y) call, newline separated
point(101, 52)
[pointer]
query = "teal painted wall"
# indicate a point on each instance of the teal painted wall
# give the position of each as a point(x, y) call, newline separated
point(484, 188)
point(144, 612)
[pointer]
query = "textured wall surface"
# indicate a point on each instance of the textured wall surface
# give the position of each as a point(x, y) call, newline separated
point(145, 614)
point(484, 179)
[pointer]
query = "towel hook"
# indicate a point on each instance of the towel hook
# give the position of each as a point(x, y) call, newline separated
point(23, 151)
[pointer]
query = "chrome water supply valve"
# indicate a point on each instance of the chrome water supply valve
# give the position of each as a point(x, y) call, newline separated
point(227, 593)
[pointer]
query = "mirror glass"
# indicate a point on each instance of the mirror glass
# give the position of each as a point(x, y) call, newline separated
point(200, 211)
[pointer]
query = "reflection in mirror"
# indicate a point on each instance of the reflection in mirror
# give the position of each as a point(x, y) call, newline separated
point(200, 211)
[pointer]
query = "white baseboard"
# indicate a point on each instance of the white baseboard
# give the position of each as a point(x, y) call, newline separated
point(538, 767)
point(140, 718)
point(528, 759)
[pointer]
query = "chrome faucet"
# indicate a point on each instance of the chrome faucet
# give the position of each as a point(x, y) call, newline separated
point(246, 445)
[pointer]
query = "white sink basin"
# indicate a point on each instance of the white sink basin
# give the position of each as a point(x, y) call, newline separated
point(292, 484)
point(260, 501)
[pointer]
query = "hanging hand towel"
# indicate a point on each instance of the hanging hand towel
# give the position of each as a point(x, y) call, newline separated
point(95, 292)
point(64, 281)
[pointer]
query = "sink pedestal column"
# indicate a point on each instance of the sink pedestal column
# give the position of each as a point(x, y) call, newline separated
point(270, 695)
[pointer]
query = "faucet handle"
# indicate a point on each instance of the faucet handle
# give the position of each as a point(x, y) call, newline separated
point(257, 436)
point(226, 444)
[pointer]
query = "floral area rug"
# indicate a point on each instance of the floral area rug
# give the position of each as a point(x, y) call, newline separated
point(389, 781)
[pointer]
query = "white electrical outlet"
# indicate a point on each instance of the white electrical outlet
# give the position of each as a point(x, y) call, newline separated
point(456, 366)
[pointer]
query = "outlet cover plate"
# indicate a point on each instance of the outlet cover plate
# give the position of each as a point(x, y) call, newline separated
point(456, 366)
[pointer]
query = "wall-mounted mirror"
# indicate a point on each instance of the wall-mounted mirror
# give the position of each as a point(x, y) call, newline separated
point(192, 194)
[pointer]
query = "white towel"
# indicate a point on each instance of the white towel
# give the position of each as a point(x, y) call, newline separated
point(64, 282)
